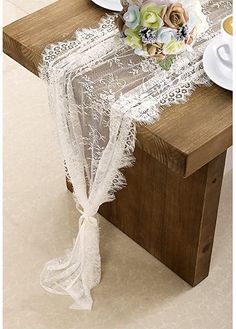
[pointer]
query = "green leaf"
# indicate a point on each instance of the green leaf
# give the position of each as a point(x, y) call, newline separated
point(166, 63)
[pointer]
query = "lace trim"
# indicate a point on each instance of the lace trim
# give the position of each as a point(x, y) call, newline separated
point(54, 52)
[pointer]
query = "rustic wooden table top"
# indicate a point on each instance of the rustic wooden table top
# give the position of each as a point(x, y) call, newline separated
point(185, 138)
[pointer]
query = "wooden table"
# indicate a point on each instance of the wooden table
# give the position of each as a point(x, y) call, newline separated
point(170, 204)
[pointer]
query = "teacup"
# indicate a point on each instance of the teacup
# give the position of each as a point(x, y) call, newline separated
point(225, 51)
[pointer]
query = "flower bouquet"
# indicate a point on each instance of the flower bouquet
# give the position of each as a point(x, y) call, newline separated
point(161, 28)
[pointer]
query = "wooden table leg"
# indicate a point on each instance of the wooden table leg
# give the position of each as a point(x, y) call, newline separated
point(69, 185)
point(171, 217)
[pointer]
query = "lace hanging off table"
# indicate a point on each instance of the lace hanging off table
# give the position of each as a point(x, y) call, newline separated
point(99, 89)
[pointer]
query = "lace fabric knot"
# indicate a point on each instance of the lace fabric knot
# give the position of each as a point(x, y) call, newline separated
point(84, 217)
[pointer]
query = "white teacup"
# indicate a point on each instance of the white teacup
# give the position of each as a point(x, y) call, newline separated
point(225, 51)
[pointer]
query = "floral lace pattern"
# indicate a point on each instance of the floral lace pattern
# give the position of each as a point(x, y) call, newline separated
point(98, 90)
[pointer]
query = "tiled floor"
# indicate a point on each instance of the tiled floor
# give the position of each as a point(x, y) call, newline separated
point(137, 291)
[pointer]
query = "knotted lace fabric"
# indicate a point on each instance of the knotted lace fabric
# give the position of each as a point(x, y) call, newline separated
point(99, 90)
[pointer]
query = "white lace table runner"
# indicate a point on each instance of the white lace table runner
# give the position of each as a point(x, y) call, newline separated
point(98, 90)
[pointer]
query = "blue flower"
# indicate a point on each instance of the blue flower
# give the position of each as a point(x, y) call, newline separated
point(132, 17)
point(164, 35)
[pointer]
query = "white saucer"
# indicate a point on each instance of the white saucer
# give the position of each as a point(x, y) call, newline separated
point(113, 5)
point(214, 68)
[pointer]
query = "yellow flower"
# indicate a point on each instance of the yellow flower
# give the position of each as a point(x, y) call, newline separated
point(151, 15)
point(133, 39)
point(173, 47)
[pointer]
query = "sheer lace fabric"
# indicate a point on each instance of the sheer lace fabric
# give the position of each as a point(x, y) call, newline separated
point(98, 91)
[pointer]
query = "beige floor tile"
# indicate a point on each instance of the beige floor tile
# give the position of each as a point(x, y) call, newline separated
point(31, 6)
point(11, 12)
point(229, 160)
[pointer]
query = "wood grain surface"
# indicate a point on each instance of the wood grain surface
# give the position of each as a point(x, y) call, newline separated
point(172, 217)
point(187, 136)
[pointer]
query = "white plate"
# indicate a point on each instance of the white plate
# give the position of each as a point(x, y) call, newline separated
point(113, 5)
point(214, 68)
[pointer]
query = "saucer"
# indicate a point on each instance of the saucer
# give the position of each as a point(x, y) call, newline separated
point(113, 5)
point(214, 68)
